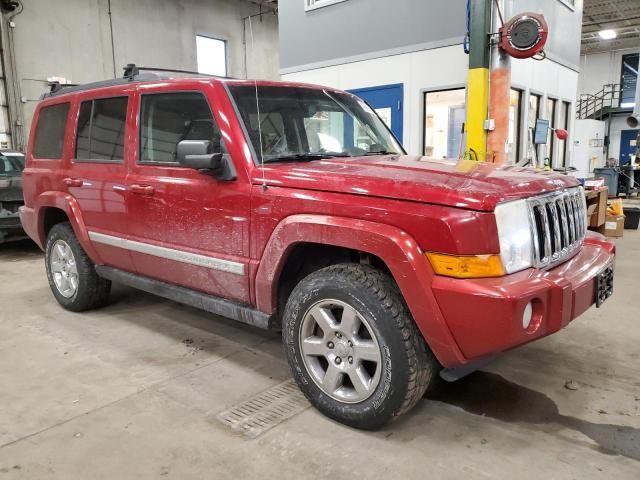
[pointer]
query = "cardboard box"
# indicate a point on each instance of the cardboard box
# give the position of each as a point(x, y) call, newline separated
point(596, 206)
point(613, 226)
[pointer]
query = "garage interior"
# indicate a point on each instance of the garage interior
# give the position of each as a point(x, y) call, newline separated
point(149, 388)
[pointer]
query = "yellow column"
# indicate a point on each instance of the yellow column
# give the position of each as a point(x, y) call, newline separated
point(477, 107)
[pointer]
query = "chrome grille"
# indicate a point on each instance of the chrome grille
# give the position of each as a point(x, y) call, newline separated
point(559, 225)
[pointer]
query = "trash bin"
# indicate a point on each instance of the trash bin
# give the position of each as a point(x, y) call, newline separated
point(631, 218)
point(610, 176)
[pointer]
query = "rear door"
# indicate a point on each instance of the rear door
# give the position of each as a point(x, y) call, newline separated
point(98, 172)
point(188, 228)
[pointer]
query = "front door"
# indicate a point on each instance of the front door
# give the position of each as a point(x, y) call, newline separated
point(186, 227)
point(627, 145)
point(387, 101)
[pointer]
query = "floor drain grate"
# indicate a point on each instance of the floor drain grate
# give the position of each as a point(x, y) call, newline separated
point(266, 410)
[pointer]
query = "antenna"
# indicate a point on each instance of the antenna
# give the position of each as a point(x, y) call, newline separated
point(255, 83)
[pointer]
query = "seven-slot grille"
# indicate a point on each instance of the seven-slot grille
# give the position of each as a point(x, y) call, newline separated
point(559, 225)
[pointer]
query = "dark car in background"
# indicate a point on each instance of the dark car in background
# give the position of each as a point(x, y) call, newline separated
point(11, 166)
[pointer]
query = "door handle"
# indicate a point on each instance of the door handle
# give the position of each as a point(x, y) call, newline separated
point(142, 189)
point(72, 182)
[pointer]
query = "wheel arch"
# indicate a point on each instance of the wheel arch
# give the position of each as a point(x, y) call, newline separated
point(55, 207)
point(397, 251)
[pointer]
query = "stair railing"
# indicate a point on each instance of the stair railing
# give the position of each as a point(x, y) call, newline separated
point(597, 105)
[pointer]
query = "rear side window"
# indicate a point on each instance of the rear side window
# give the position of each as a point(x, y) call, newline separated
point(49, 139)
point(168, 118)
point(100, 132)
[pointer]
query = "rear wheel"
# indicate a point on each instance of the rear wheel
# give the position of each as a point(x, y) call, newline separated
point(353, 347)
point(71, 274)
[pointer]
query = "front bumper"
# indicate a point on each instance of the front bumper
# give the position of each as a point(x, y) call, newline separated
point(485, 315)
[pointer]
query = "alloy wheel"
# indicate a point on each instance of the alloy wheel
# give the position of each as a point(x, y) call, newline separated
point(340, 351)
point(64, 270)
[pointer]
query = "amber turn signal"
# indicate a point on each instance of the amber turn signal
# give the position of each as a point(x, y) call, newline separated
point(466, 266)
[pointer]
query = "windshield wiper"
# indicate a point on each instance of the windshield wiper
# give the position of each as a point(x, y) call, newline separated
point(381, 152)
point(296, 157)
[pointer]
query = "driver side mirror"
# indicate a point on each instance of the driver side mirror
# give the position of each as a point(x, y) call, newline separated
point(197, 154)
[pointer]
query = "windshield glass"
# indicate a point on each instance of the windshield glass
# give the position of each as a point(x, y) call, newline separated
point(304, 123)
point(9, 166)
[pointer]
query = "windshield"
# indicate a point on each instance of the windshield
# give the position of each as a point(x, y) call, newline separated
point(10, 166)
point(304, 123)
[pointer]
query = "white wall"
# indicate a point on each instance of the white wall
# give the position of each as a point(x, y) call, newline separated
point(600, 69)
point(597, 70)
point(551, 80)
point(436, 69)
point(72, 39)
point(418, 71)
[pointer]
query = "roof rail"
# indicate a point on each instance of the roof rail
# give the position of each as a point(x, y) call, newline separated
point(132, 73)
point(56, 86)
point(131, 70)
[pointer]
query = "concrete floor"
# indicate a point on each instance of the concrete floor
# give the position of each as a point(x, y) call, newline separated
point(131, 391)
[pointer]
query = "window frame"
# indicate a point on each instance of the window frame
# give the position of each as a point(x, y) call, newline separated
point(622, 64)
point(152, 163)
point(64, 132)
point(423, 108)
point(566, 106)
point(226, 54)
point(518, 124)
point(75, 138)
point(553, 101)
point(310, 5)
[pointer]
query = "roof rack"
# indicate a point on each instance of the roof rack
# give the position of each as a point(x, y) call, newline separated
point(55, 86)
point(131, 70)
point(132, 73)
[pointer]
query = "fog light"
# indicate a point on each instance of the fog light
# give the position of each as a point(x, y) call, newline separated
point(527, 315)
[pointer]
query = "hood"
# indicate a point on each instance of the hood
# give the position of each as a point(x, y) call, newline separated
point(457, 183)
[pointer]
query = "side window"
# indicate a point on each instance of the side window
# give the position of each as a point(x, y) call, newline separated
point(49, 139)
point(168, 118)
point(100, 132)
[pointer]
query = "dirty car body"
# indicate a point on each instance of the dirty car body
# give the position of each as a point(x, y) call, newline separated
point(292, 193)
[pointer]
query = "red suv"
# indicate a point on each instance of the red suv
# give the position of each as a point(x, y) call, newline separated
point(293, 207)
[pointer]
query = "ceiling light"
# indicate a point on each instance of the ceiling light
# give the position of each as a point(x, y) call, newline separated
point(607, 34)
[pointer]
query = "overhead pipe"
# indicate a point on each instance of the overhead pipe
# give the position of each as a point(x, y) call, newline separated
point(14, 92)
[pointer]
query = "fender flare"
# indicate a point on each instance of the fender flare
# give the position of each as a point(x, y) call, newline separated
point(69, 205)
point(400, 252)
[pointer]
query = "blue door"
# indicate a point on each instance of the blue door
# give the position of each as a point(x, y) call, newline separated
point(627, 145)
point(387, 100)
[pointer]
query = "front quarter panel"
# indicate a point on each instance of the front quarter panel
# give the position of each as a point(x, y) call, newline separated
point(396, 248)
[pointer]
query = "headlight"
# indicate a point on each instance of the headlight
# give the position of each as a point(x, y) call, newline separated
point(514, 233)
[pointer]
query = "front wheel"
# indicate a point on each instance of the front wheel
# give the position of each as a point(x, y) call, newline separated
point(353, 348)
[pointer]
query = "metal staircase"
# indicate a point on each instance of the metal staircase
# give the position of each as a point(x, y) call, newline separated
point(601, 105)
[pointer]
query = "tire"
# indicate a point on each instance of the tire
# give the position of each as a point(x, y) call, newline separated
point(71, 274)
point(319, 322)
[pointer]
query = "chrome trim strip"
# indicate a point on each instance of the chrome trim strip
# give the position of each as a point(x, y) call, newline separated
point(170, 253)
